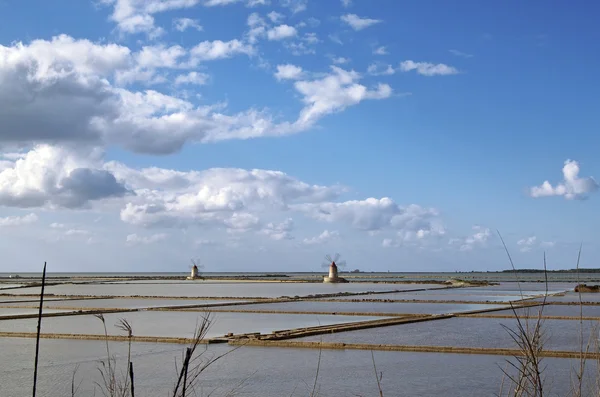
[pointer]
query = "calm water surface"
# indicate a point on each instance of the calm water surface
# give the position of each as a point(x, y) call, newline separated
point(266, 372)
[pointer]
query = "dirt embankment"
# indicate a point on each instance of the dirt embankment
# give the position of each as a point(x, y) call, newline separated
point(587, 288)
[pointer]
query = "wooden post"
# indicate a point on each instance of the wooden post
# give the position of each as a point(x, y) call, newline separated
point(39, 327)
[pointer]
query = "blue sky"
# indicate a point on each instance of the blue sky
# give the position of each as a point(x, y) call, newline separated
point(138, 134)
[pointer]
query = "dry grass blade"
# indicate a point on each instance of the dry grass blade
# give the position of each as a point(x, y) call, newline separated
point(197, 364)
point(528, 380)
point(314, 391)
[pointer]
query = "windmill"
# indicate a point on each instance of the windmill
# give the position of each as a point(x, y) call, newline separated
point(195, 266)
point(333, 263)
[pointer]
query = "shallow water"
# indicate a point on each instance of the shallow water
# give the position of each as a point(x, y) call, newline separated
point(177, 324)
point(201, 289)
point(5, 286)
point(266, 372)
point(463, 332)
point(364, 307)
point(438, 297)
point(555, 310)
point(117, 303)
point(18, 311)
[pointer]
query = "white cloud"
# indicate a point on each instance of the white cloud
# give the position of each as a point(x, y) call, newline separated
point(358, 23)
point(280, 231)
point(527, 243)
point(240, 222)
point(479, 238)
point(288, 72)
point(160, 56)
point(255, 3)
point(340, 60)
point(294, 5)
point(134, 239)
point(56, 225)
point(75, 101)
point(56, 177)
point(460, 54)
point(218, 197)
point(304, 45)
point(372, 214)
point(428, 69)
point(378, 69)
point(346, 3)
point(137, 16)
point(183, 24)
point(322, 238)
point(275, 17)
point(18, 220)
point(258, 28)
point(218, 49)
point(192, 78)
point(281, 32)
point(572, 186)
point(380, 51)
point(77, 232)
point(334, 93)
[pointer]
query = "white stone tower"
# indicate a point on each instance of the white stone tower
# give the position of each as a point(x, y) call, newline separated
point(333, 271)
point(333, 276)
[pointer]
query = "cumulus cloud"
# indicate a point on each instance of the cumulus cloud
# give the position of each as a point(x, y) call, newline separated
point(322, 238)
point(54, 90)
point(255, 3)
point(215, 196)
point(137, 16)
point(18, 220)
point(195, 78)
point(281, 32)
point(479, 238)
point(295, 6)
point(60, 91)
point(340, 60)
point(56, 177)
point(379, 69)
point(183, 24)
point(380, 51)
point(527, 243)
point(135, 239)
point(280, 231)
point(358, 23)
point(334, 93)
point(288, 72)
point(275, 17)
point(572, 186)
point(373, 214)
point(428, 69)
